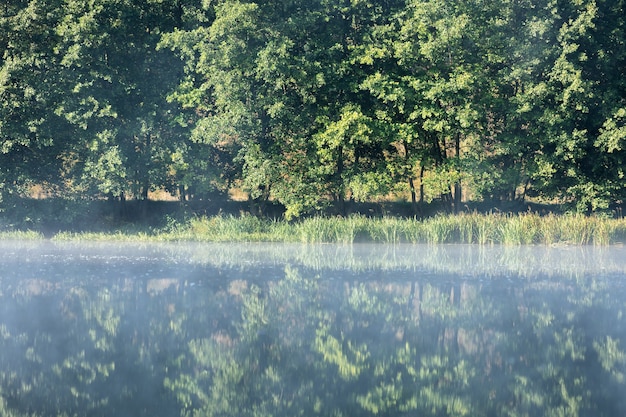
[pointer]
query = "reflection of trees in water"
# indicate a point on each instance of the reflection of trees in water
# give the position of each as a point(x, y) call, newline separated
point(403, 348)
point(464, 260)
point(310, 345)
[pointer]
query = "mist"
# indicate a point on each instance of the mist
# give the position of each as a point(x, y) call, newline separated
point(236, 329)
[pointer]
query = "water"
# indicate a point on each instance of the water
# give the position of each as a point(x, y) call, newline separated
point(289, 330)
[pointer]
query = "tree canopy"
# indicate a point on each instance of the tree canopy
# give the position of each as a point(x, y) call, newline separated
point(316, 102)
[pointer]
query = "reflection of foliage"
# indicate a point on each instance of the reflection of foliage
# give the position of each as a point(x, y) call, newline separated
point(392, 349)
point(465, 260)
point(257, 368)
point(296, 343)
point(613, 359)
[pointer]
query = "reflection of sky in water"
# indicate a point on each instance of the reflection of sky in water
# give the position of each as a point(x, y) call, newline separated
point(167, 329)
point(469, 260)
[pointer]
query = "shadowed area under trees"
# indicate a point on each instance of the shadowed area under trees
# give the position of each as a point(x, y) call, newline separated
point(303, 106)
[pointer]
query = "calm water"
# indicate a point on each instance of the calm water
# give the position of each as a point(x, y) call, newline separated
point(289, 330)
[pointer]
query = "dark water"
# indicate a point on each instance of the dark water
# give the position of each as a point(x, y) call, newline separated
point(289, 330)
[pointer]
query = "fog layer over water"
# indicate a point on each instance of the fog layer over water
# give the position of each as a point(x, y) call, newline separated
point(288, 330)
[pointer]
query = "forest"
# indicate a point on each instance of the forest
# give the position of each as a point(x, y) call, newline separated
point(316, 102)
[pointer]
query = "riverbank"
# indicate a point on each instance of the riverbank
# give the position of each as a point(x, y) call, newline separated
point(466, 228)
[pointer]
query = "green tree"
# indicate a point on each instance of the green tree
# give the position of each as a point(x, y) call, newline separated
point(31, 134)
point(557, 97)
point(279, 86)
point(518, 51)
point(116, 84)
point(587, 94)
point(429, 86)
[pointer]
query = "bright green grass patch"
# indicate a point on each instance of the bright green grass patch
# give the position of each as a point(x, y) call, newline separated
point(227, 229)
point(468, 228)
point(117, 235)
point(20, 235)
point(508, 229)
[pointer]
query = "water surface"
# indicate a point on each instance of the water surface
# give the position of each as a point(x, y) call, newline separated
point(288, 330)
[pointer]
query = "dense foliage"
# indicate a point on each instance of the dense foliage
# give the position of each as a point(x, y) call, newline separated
point(317, 101)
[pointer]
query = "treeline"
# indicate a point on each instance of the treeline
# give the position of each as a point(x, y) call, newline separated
point(310, 102)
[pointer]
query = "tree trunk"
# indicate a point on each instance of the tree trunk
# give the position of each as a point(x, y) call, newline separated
point(144, 190)
point(340, 190)
point(457, 184)
point(410, 177)
point(422, 171)
point(144, 169)
point(413, 193)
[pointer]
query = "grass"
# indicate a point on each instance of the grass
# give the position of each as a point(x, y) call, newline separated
point(20, 235)
point(468, 228)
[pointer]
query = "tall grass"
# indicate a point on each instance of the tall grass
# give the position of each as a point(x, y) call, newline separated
point(468, 228)
point(507, 229)
point(226, 229)
point(20, 235)
point(127, 235)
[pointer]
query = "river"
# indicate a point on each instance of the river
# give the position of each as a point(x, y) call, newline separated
point(135, 329)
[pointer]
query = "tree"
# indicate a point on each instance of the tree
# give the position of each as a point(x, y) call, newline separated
point(429, 88)
point(315, 103)
point(118, 82)
point(279, 85)
point(518, 51)
point(557, 93)
point(587, 94)
point(31, 134)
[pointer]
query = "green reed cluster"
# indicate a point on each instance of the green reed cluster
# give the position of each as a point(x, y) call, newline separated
point(466, 228)
point(20, 235)
point(469, 228)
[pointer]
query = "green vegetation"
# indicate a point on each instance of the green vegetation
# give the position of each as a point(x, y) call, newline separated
point(523, 229)
point(20, 235)
point(316, 103)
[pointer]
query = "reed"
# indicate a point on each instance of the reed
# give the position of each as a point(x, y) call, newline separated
point(388, 230)
point(20, 235)
point(226, 229)
point(117, 235)
point(412, 231)
point(466, 228)
point(519, 229)
point(440, 229)
point(317, 230)
point(333, 230)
